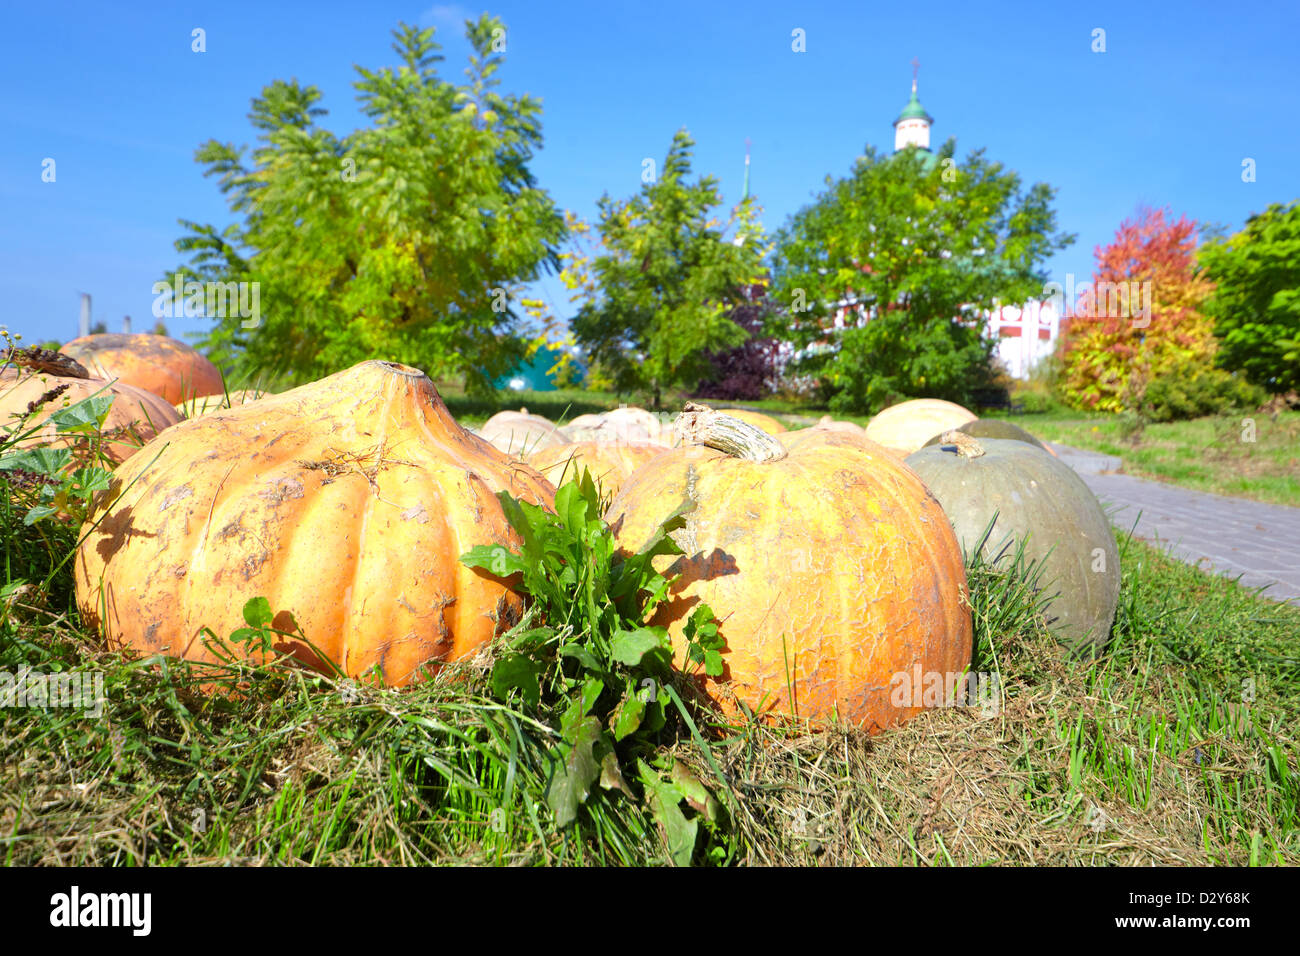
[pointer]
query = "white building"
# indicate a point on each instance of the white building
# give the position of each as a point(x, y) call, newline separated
point(1024, 334)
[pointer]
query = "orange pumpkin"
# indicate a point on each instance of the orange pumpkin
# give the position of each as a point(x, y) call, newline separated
point(346, 503)
point(766, 422)
point(610, 463)
point(155, 363)
point(832, 571)
point(907, 426)
point(135, 417)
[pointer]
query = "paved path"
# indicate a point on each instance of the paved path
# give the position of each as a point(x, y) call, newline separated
point(1230, 536)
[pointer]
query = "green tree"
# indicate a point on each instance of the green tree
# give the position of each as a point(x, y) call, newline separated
point(1256, 301)
point(657, 298)
point(923, 245)
point(408, 239)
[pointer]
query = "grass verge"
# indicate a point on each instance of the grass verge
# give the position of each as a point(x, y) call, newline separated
point(1246, 456)
point(1175, 747)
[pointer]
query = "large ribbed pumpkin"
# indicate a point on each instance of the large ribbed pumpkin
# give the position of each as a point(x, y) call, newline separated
point(134, 418)
point(211, 403)
point(610, 463)
point(994, 428)
point(825, 564)
point(1041, 501)
point(155, 363)
point(346, 503)
point(907, 426)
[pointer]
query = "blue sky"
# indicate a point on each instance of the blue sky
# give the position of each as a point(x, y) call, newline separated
point(1165, 116)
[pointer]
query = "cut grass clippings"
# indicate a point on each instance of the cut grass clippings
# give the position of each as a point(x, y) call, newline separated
point(1175, 747)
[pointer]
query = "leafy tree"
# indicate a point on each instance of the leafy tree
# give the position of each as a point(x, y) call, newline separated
point(409, 239)
point(657, 298)
point(921, 245)
point(98, 328)
point(1256, 302)
point(1141, 319)
point(747, 371)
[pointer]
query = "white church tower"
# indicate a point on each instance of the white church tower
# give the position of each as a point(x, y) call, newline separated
point(912, 128)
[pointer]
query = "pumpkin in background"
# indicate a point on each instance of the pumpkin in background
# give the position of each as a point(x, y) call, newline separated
point(621, 425)
point(134, 418)
point(347, 503)
point(610, 463)
point(994, 428)
point(211, 403)
point(821, 561)
point(518, 433)
point(1041, 501)
point(765, 422)
point(907, 426)
point(155, 363)
point(827, 423)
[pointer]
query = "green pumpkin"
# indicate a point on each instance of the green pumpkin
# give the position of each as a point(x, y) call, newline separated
point(1041, 501)
point(992, 428)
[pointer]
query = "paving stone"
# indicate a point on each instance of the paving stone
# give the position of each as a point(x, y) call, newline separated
point(1229, 536)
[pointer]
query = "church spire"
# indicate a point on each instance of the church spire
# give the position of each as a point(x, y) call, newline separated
point(912, 128)
point(745, 195)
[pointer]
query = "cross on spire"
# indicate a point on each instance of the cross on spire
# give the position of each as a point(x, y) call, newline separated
point(916, 65)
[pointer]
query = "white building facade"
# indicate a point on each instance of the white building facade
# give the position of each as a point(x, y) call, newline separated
point(1023, 335)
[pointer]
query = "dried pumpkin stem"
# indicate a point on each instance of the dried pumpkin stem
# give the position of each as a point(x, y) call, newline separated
point(967, 446)
point(701, 425)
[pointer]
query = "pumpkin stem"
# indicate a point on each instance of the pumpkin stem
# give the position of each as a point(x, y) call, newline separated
point(46, 360)
point(701, 425)
point(967, 445)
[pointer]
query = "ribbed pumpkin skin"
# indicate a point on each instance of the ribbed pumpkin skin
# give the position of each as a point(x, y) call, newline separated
point(140, 413)
point(155, 363)
point(995, 428)
point(766, 422)
point(610, 463)
point(275, 499)
point(1041, 500)
point(907, 426)
point(211, 403)
point(844, 555)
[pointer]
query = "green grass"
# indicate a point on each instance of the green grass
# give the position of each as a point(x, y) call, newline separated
point(1148, 755)
point(1176, 746)
point(1214, 454)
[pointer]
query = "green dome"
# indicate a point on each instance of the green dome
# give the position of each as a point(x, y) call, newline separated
point(913, 110)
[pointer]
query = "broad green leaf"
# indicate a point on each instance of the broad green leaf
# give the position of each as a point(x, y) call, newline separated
point(664, 802)
point(576, 771)
point(257, 612)
point(43, 460)
point(627, 715)
point(37, 513)
point(517, 672)
point(85, 416)
point(629, 647)
point(611, 774)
